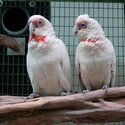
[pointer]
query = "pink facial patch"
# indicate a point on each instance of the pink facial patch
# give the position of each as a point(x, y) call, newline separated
point(36, 23)
point(78, 24)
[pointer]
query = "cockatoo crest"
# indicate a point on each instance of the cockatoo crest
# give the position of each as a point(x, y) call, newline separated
point(81, 17)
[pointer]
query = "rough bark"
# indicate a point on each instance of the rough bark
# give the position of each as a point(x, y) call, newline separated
point(92, 107)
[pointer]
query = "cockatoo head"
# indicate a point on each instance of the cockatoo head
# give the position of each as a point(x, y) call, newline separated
point(86, 27)
point(40, 26)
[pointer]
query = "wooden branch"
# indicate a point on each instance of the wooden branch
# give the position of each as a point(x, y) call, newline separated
point(6, 41)
point(92, 107)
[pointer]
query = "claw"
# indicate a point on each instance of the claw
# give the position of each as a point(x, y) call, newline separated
point(65, 93)
point(85, 91)
point(105, 88)
point(32, 95)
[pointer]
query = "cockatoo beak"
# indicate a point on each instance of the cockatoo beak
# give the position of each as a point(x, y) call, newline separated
point(36, 23)
point(75, 30)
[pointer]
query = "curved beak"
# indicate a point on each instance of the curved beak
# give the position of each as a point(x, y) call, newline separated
point(75, 30)
point(31, 28)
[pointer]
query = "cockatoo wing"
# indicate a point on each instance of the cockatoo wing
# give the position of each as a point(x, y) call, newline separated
point(78, 69)
point(111, 58)
point(65, 63)
point(113, 72)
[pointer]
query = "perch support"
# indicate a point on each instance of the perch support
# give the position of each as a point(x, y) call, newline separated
point(7, 41)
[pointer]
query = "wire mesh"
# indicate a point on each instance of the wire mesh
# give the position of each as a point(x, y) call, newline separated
point(111, 18)
point(111, 15)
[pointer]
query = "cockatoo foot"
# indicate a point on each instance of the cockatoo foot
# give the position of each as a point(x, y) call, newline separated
point(65, 93)
point(32, 95)
point(85, 91)
point(105, 88)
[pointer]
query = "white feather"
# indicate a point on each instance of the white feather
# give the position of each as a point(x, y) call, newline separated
point(48, 63)
point(95, 62)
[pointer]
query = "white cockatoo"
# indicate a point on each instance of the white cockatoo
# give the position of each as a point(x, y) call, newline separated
point(48, 63)
point(95, 56)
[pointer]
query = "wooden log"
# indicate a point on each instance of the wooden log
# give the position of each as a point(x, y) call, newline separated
point(92, 107)
point(7, 41)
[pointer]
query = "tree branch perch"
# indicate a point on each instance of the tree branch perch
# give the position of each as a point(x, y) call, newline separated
point(92, 107)
point(10, 42)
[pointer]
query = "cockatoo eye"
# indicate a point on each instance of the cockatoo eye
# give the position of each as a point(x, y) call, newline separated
point(83, 25)
point(41, 23)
